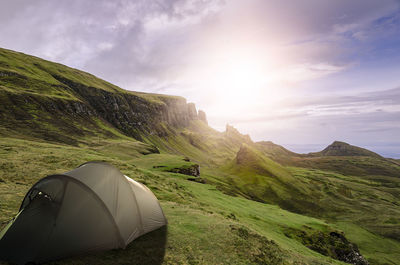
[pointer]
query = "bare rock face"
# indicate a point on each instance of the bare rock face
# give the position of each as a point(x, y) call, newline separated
point(133, 115)
point(192, 111)
point(202, 116)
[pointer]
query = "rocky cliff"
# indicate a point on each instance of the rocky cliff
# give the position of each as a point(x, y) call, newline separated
point(36, 93)
point(133, 114)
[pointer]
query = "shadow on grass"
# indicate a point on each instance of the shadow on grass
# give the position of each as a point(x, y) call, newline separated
point(147, 249)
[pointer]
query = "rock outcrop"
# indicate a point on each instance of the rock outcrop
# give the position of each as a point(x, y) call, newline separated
point(192, 170)
point(333, 244)
point(192, 111)
point(202, 116)
point(232, 133)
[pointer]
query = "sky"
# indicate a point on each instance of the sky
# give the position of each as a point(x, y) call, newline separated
point(300, 73)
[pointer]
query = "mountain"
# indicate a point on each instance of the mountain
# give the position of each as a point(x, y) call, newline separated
point(253, 202)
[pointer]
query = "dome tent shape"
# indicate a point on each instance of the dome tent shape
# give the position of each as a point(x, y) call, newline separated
point(93, 207)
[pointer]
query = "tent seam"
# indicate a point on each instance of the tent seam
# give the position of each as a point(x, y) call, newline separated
point(102, 204)
point(137, 205)
point(158, 202)
point(141, 231)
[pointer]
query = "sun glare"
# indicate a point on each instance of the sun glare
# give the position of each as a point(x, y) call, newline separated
point(240, 80)
point(237, 81)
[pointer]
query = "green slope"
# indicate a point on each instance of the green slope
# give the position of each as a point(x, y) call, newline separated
point(366, 201)
point(205, 225)
point(25, 73)
point(262, 179)
point(273, 150)
point(338, 148)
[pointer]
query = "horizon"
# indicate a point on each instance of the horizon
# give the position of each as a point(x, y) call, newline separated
point(282, 72)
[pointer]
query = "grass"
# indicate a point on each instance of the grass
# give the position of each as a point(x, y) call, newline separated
point(371, 202)
point(365, 200)
point(368, 202)
point(206, 226)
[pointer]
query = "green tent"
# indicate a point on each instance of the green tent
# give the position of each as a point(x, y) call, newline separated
point(93, 207)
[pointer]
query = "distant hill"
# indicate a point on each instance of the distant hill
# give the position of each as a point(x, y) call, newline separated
point(338, 157)
point(344, 149)
point(396, 161)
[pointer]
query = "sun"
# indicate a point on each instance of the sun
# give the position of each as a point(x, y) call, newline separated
point(239, 80)
point(235, 81)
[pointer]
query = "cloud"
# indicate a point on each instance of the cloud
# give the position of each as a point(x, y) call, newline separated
point(357, 107)
point(140, 43)
point(83, 33)
point(368, 119)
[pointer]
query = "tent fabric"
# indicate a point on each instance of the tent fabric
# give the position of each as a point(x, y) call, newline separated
point(93, 207)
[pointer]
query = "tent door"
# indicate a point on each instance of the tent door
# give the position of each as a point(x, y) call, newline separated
point(26, 235)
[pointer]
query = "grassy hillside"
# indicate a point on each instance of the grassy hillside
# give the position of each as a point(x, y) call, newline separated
point(338, 157)
point(262, 179)
point(344, 149)
point(368, 202)
point(254, 203)
point(275, 151)
point(205, 225)
point(25, 73)
point(251, 172)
